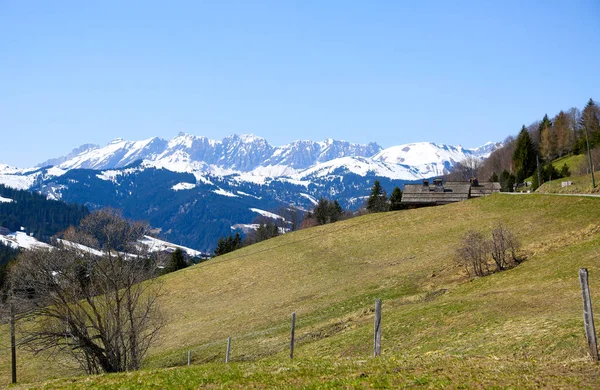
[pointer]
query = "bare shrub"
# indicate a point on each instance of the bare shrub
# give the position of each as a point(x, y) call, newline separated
point(504, 247)
point(473, 254)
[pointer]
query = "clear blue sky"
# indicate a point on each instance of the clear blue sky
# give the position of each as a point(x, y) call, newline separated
point(73, 72)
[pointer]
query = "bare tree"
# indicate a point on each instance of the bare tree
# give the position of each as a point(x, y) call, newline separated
point(499, 160)
point(584, 166)
point(504, 247)
point(100, 305)
point(465, 170)
point(473, 254)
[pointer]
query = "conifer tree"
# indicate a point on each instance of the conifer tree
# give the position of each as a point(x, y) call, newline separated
point(547, 139)
point(524, 156)
point(507, 182)
point(395, 199)
point(590, 123)
point(176, 262)
point(377, 201)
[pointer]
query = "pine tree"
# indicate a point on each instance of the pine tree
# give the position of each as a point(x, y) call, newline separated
point(494, 178)
point(395, 199)
point(524, 155)
point(590, 123)
point(176, 262)
point(507, 182)
point(327, 211)
point(377, 201)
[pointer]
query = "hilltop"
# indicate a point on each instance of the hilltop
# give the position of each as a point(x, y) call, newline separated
point(523, 321)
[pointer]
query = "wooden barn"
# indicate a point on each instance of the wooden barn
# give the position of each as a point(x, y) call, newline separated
point(438, 192)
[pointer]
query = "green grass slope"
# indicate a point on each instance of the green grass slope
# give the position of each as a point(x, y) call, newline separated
point(519, 328)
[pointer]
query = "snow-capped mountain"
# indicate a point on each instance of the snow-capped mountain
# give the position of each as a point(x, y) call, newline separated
point(195, 189)
point(254, 155)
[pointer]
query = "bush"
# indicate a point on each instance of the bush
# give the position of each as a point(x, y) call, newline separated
point(475, 251)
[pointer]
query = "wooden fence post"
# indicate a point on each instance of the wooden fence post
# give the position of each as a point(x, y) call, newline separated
point(588, 316)
point(292, 335)
point(377, 328)
point(13, 344)
point(228, 350)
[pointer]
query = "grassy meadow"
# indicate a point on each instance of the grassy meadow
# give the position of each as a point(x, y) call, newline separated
point(521, 328)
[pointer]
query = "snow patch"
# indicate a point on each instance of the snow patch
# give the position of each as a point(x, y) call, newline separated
point(23, 240)
point(310, 198)
point(183, 186)
point(5, 200)
point(267, 214)
point(221, 191)
point(156, 245)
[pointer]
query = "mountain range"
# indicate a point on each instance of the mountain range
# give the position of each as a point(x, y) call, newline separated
point(194, 189)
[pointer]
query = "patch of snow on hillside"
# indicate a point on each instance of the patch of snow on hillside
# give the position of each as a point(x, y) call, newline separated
point(221, 191)
point(74, 245)
point(252, 196)
point(309, 197)
point(156, 245)
point(23, 240)
point(55, 171)
point(267, 214)
point(183, 186)
point(5, 200)
point(18, 182)
point(273, 171)
point(113, 174)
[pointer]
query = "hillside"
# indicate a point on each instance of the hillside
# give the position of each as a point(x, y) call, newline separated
point(439, 329)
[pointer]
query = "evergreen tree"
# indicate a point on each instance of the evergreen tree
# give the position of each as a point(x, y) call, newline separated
point(395, 199)
point(494, 178)
point(507, 182)
point(524, 155)
point(590, 123)
point(565, 171)
point(327, 211)
point(228, 244)
point(377, 201)
point(176, 262)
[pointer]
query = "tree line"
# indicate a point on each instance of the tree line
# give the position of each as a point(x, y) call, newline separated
point(40, 216)
point(531, 152)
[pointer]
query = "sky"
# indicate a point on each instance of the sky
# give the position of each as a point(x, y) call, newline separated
point(391, 72)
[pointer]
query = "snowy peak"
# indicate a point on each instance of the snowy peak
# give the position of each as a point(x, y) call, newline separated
point(254, 158)
point(243, 153)
point(485, 150)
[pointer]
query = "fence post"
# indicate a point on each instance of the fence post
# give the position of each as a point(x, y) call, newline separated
point(13, 344)
point(588, 316)
point(228, 350)
point(377, 328)
point(189, 357)
point(292, 335)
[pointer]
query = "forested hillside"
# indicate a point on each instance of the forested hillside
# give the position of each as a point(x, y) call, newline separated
point(40, 216)
point(567, 133)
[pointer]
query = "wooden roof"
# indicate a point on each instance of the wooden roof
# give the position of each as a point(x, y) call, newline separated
point(484, 189)
point(429, 194)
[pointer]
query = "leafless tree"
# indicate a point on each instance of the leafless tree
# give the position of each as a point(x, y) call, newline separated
point(499, 160)
point(584, 166)
point(504, 247)
point(473, 254)
point(465, 169)
point(100, 304)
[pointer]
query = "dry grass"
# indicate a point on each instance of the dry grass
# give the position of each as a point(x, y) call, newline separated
point(330, 276)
